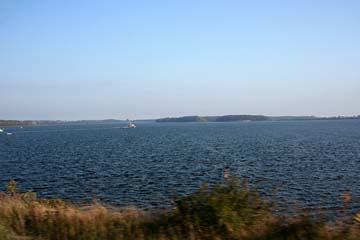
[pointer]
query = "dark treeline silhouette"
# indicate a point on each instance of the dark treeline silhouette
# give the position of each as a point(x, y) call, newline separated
point(226, 118)
point(235, 118)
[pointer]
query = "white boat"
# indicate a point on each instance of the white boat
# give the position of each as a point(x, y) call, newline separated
point(131, 125)
point(9, 134)
point(1, 130)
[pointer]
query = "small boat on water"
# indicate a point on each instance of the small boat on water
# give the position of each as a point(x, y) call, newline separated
point(9, 134)
point(131, 125)
point(1, 130)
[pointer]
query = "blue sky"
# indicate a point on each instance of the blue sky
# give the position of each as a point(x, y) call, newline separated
point(148, 59)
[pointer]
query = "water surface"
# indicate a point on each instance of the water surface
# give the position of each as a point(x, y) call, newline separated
point(308, 162)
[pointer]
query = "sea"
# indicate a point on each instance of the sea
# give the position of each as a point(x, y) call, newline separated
point(303, 163)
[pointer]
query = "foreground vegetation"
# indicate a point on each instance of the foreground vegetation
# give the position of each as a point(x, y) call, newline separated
point(230, 211)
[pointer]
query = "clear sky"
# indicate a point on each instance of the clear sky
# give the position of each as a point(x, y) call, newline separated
point(147, 59)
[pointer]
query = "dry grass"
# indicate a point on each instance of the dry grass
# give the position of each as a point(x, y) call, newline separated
point(232, 211)
point(21, 216)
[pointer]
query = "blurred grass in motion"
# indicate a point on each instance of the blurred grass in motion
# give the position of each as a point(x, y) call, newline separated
point(228, 211)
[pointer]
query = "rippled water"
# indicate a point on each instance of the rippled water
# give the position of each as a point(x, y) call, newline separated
point(308, 162)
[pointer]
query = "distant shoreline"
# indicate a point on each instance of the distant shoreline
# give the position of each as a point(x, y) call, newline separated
point(248, 118)
point(195, 118)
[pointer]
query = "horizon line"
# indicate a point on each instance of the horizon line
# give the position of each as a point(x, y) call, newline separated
point(178, 116)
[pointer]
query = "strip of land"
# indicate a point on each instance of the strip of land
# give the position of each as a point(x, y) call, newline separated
point(247, 118)
point(224, 118)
